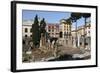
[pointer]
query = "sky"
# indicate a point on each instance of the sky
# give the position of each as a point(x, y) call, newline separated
point(50, 16)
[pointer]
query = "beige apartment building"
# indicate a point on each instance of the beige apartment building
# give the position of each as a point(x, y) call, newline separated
point(65, 30)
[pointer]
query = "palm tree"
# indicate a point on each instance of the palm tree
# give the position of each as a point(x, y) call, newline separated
point(85, 16)
point(75, 17)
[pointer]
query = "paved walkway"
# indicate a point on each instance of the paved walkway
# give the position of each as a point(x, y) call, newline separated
point(40, 55)
point(69, 50)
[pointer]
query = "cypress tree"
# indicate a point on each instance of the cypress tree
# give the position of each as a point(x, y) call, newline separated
point(43, 31)
point(35, 32)
point(42, 26)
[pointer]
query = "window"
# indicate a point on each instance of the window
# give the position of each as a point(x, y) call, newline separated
point(25, 35)
point(57, 33)
point(88, 31)
point(61, 34)
point(52, 27)
point(53, 30)
point(64, 27)
point(30, 35)
point(26, 30)
point(31, 30)
point(49, 30)
point(23, 41)
point(49, 27)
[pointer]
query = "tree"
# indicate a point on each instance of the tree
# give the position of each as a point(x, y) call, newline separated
point(35, 32)
point(75, 17)
point(42, 26)
point(43, 31)
point(85, 16)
